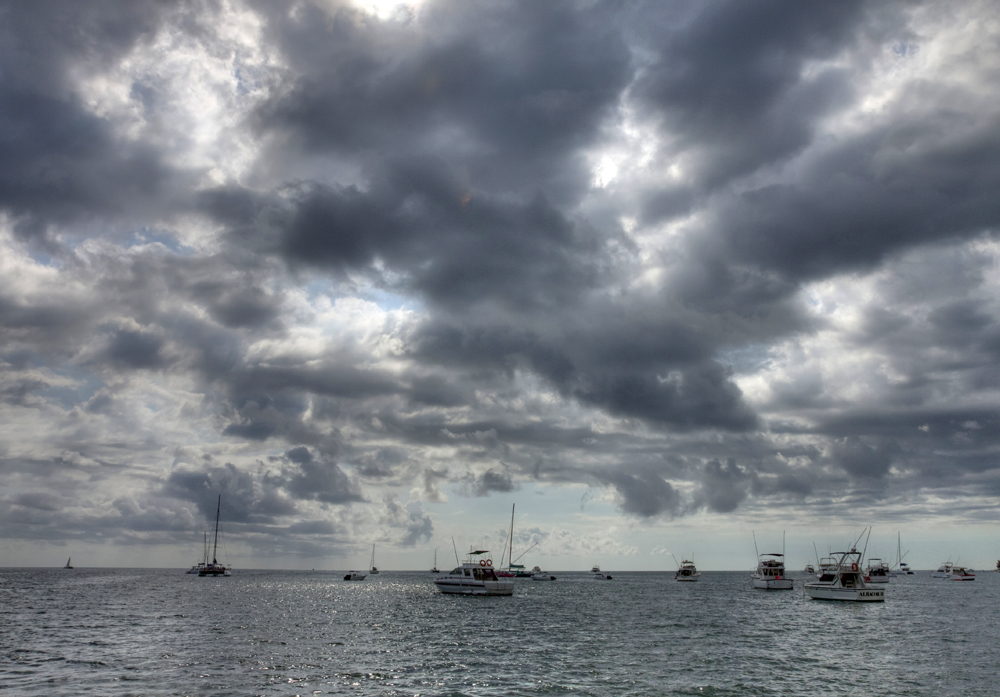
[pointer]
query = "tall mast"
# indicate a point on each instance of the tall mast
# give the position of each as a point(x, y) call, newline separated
point(215, 545)
point(510, 563)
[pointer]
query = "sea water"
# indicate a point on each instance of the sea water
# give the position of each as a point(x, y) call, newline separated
point(164, 632)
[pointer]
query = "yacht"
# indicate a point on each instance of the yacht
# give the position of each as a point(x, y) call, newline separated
point(215, 569)
point(355, 576)
point(475, 576)
point(960, 573)
point(827, 565)
point(599, 575)
point(878, 571)
point(687, 571)
point(770, 573)
point(943, 571)
point(846, 581)
point(538, 575)
point(904, 569)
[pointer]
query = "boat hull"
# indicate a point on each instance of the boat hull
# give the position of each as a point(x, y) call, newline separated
point(464, 586)
point(858, 595)
point(772, 584)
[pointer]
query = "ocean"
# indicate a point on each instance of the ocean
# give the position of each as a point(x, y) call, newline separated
point(163, 632)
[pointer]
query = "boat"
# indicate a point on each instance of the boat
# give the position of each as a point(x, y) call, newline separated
point(901, 568)
point(687, 571)
point(770, 572)
point(960, 573)
point(204, 557)
point(877, 571)
point(215, 568)
point(943, 571)
point(810, 569)
point(904, 569)
point(538, 575)
point(998, 565)
point(434, 569)
point(68, 565)
point(475, 576)
point(355, 576)
point(599, 575)
point(846, 582)
point(827, 565)
point(374, 569)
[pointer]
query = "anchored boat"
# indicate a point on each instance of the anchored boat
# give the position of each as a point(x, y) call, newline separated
point(770, 572)
point(845, 582)
point(878, 571)
point(475, 576)
point(687, 571)
point(215, 568)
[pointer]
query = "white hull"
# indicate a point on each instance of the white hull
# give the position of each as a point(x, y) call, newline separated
point(878, 579)
point(858, 595)
point(772, 584)
point(688, 579)
point(467, 586)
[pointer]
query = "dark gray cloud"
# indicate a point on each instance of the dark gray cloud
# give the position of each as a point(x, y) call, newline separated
point(644, 494)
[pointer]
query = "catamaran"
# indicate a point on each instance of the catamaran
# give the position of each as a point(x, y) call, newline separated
point(204, 557)
point(215, 568)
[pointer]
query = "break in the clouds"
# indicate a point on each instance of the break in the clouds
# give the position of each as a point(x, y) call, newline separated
point(361, 269)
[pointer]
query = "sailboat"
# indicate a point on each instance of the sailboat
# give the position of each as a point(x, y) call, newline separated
point(215, 568)
point(374, 569)
point(68, 566)
point(434, 569)
point(902, 568)
point(204, 557)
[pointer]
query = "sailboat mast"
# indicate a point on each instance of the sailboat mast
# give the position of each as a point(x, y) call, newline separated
point(509, 562)
point(215, 546)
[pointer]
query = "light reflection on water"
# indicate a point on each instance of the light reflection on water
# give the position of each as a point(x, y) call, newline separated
point(159, 632)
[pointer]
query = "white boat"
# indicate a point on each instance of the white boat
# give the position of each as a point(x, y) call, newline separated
point(826, 565)
point(810, 569)
point(943, 571)
point(960, 573)
point(538, 575)
point(215, 569)
point(599, 575)
point(204, 557)
point(68, 565)
point(355, 576)
point(901, 568)
point(475, 576)
point(770, 573)
point(904, 569)
point(687, 571)
point(374, 569)
point(877, 571)
point(845, 582)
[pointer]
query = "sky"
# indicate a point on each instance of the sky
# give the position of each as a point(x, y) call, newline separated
point(664, 275)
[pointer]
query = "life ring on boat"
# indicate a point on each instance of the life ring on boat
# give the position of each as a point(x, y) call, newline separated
point(489, 562)
point(482, 562)
point(854, 567)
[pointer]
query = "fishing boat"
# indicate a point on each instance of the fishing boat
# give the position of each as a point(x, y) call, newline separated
point(687, 571)
point(599, 575)
point(827, 565)
point(355, 576)
point(204, 557)
point(475, 576)
point(68, 565)
point(810, 569)
point(538, 575)
point(877, 571)
point(846, 582)
point(960, 573)
point(374, 569)
point(943, 571)
point(215, 568)
point(770, 572)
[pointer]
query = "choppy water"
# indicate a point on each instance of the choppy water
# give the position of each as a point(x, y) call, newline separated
point(160, 632)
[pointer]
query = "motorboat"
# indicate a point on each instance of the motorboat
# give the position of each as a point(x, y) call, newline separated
point(904, 569)
point(844, 582)
point(810, 569)
point(827, 565)
point(687, 571)
point(355, 576)
point(770, 573)
point(960, 573)
point(215, 569)
point(599, 575)
point(475, 576)
point(374, 569)
point(877, 571)
point(538, 575)
point(943, 571)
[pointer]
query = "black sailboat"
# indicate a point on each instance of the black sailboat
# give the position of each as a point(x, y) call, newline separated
point(215, 568)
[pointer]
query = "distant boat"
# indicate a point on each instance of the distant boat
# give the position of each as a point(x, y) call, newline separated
point(686, 570)
point(215, 569)
point(599, 575)
point(355, 576)
point(846, 582)
point(943, 571)
point(810, 569)
point(68, 565)
point(901, 568)
point(434, 569)
point(770, 572)
point(374, 569)
point(878, 571)
point(538, 575)
point(475, 577)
